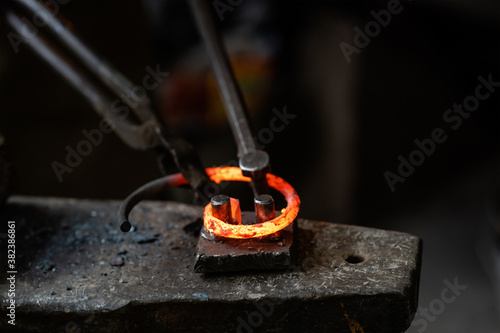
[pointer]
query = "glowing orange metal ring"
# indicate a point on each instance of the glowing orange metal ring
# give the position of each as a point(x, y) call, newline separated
point(223, 229)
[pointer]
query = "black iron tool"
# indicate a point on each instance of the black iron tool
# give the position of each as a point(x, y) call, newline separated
point(98, 81)
point(254, 163)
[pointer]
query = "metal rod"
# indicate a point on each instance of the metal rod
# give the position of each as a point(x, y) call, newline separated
point(264, 208)
point(230, 91)
point(253, 163)
point(146, 191)
point(149, 134)
point(221, 208)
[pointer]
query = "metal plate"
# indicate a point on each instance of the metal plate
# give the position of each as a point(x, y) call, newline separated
point(230, 255)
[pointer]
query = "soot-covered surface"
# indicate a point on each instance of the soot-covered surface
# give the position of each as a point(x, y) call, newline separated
point(76, 269)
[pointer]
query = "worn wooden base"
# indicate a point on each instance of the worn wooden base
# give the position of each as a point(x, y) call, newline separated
point(76, 270)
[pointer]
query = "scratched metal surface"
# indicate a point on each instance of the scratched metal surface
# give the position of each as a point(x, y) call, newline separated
point(79, 273)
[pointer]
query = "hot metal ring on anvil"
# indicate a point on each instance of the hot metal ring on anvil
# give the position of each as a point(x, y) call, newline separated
point(223, 229)
point(213, 224)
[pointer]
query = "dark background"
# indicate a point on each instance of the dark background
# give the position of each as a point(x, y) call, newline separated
point(353, 120)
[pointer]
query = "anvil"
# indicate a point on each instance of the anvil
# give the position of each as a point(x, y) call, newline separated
point(77, 271)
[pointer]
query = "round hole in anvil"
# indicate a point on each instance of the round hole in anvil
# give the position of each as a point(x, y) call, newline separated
point(354, 259)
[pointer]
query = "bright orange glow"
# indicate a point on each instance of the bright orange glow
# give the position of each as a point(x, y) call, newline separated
point(222, 229)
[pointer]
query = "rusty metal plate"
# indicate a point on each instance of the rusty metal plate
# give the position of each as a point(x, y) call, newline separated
point(231, 255)
point(78, 273)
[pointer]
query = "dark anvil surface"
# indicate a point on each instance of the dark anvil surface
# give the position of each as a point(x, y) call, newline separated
point(77, 271)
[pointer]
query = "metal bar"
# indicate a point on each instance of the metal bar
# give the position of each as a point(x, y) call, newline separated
point(231, 94)
point(146, 191)
point(264, 208)
point(144, 136)
point(254, 163)
point(221, 208)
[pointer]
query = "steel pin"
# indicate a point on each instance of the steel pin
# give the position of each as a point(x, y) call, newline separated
point(264, 208)
point(221, 208)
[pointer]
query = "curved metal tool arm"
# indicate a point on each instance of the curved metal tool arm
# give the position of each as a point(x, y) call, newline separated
point(147, 133)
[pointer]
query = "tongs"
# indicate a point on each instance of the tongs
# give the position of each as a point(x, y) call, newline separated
point(96, 80)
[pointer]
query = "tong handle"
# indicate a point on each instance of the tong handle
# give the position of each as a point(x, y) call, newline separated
point(253, 163)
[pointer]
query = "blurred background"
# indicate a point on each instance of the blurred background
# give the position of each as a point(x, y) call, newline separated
point(355, 105)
